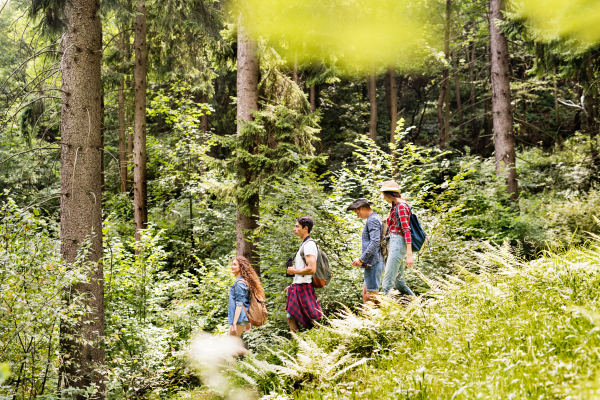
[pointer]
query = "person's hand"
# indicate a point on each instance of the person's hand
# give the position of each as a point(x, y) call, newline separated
point(357, 263)
point(233, 330)
point(409, 261)
point(248, 327)
point(286, 289)
point(291, 271)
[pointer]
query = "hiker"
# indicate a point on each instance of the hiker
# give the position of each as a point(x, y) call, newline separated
point(371, 260)
point(302, 304)
point(246, 283)
point(399, 245)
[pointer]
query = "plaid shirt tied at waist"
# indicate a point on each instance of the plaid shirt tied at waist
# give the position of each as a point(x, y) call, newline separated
point(302, 304)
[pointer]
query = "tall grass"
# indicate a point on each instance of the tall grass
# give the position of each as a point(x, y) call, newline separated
point(514, 330)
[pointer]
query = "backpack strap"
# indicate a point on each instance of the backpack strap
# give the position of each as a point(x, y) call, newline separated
point(398, 215)
point(302, 249)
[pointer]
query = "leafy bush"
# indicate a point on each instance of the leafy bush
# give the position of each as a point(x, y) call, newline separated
point(525, 330)
point(151, 313)
point(32, 302)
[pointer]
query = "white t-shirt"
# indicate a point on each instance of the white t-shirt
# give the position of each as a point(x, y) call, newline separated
point(310, 248)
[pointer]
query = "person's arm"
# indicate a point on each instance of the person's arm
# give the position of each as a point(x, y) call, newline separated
point(241, 294)
point(236, 316)
point(404, 213)
point(373, 225)
point(409, 256)
point(310, 269)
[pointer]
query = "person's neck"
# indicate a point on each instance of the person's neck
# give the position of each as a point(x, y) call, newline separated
point(369, 213)
point(237, 275)
point(304, 237)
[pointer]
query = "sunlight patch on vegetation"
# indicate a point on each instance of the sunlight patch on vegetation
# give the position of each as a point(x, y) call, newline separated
point(515, 330)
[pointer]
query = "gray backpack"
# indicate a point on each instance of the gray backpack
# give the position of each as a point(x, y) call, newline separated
point(323, 274)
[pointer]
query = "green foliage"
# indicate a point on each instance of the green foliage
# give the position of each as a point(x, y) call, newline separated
point(528, 330)
point(151, 313)
point(33, 305)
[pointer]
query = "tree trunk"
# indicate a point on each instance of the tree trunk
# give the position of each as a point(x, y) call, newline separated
point(81, 191)
point(122, 128)
point(502, 118)
point(393, 103)
point(140, 200)
point(247, 94)
point(440, 107)
point(457, 91)
point(556, 101)
point(447, 77)
point(205, 115)
point(372, 86)
point(471, 60)
point(296, 68)
point(313, 98)
point(590, 105)
point(128, 87)
point(444, 120)
point(102, 132)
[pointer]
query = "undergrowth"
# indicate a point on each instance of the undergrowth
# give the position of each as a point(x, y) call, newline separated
point(514, 330)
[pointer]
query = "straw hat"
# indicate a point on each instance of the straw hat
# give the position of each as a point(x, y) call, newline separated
point(390, 186)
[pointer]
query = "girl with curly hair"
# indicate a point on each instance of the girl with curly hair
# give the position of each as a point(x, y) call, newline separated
point(246, 283)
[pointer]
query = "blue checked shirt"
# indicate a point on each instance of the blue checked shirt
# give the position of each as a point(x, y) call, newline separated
point(371, 238)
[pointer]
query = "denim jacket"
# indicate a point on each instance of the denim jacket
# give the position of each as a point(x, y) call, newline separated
point(238, 296)
point(371, 239)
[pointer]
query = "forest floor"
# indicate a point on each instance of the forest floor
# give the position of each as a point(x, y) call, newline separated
point(517, 330)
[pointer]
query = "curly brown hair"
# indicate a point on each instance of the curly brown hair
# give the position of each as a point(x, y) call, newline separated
point(250, 276)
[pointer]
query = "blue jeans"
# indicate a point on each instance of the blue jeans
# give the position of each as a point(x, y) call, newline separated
point(394, 268)
point(373, 277)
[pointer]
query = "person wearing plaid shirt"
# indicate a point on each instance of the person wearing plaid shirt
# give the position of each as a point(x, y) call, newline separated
point(400, 243)
point(370, 260)
point(302, 305)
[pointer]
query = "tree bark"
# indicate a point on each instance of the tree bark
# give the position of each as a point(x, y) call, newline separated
point(122, 127)
point(393, 102)
point(440, 107)
point(457, 91)
point(372, 86)
point(471, 61)
point(247, 94)
point(591, 105)
point(444, 118)
point(502, 118)
point(296, 68)
point(556, 101)
point(205, 115)
point(102, 132)
point(140, 199)
point(447, 55)
point(128, 87)
point(81, 191)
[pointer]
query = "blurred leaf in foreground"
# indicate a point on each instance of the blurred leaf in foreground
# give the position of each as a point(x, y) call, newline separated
point(350, 33)
point(577, 20)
